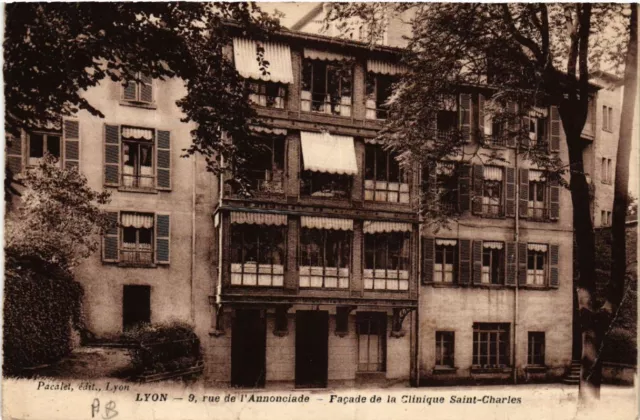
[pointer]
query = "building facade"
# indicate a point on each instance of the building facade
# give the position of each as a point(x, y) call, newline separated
point(325, 275)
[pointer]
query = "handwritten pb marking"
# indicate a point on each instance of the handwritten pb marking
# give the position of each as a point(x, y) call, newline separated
point(109, 409)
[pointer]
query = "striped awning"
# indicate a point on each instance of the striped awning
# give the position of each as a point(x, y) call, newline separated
point(445, 168)
point(493, 173)
point(374, 141)
point(537, 247)
point(380, 227)
point(137, 220)
point(268, 130)
point(137, 133)
point(323, 152)
point(385, 67)
point(446, 242)
point(492, 245)
point(536, 175)
point(244, 218)
point(312, 222)
point(278, 55)
point(313, 54)
point(538, 112)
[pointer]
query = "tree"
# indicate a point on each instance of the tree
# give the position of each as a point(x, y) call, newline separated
point(527, 54)
point(53, 52)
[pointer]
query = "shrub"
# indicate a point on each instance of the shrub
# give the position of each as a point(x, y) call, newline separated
point(42, 302)
point(163, 348)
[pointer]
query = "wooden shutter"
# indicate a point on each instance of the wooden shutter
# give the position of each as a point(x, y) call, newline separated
point(511, 267)
point(554, 143)
point(163, 160)
point(110, 240)
point(163, 238)
point(464, 187)
point(14, 148)
point(523, 202)
point(431, 187)
point(512, 126)
point(465, 116)
point(146, 88)
point(510, 189)
point(478, 185)
point(480, 132)
point(464, 261)
point(522, 263)
point(111, 155)
point(526, 121)
point(129, 91)
point(554, 259)
point(554, 200)
point(428, 259)
point(477, 262)
point(71, 136)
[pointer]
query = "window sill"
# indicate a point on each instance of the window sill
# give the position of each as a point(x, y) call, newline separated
point(135, 104)
point(364, 374)
point(386, 290)
point(134, 265)
point(393, 203)
point(342, 117)
point(328, 289)
point(138, 190)
point(479, 370)
point(444, 370)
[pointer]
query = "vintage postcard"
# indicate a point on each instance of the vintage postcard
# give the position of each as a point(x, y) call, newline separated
point(222, 210)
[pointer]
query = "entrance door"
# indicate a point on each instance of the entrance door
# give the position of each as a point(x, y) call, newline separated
point(136, 306)
point(248, 349)
point(312, 348)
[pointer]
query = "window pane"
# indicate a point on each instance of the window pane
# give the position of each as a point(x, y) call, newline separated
point(145, 236)
point(146, 155)
point(36, 145)
point(129, 235)
point(307, 71)
point(370, 161)
point(381, 165)
point(53, 145)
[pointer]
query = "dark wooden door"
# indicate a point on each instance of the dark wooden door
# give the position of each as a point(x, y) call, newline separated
point(248, 349)
point(136, 306)
point(312, 348)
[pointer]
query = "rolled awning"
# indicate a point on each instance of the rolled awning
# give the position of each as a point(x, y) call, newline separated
point(385, 67)
point(137, 220)
point(446, 242)
point(380, 227)
point(536, 176)
point(268, 130)
point(278, 55)
point(137, 133)
point(323, 152)
point(244, 218)
point(313, 54)
point(492, 245)
point(537, 247)
point(492, 173)
point(311, 222)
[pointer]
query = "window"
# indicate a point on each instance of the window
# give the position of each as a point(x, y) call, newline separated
point(379, 90)
point(536, 264)
point(537, 208)
point(445, 268)
point(447, 117)
point(324, 258)
point(386, 261)
point(326, 88)
point(372, 335)
point(607, 118)
point(537, 131)
point(447, 186)
point(322, 184)
point(492, 191)
point(535, 354)
point(265, 169)
point(497, 134)
point(444, 349)
point(384, 180)
point(490, 345)
point(267, 94)
point(39, 144)
point(492, 262)
point(257, 255)
point(137, 158)
point(138, 91)
point(606, 171)
point(136, 238)
point(605, 217)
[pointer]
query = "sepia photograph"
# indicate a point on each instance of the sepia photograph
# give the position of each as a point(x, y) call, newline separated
point(229, 210)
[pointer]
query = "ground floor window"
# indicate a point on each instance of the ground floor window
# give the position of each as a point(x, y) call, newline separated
point(490, 345)
point(372, 333)
point(444, 348)
point(535, 354)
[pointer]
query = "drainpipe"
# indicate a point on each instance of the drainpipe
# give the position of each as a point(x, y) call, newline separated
point(220, 235)
point(516, 238)
point(417, 311)
point(193, 240)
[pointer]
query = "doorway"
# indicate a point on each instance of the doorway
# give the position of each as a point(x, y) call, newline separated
point(312, 349)
point(136, 306)
point(248, 348)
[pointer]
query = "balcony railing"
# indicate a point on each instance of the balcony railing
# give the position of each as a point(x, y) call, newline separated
point(324, 277)
point(138, 181)
point(386, 279)
point(326, 104)
point(136, 256)
point(537, 213)
point(266, 181)
point(492, 210)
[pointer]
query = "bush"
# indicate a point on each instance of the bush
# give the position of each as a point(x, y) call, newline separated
point(163, 348)
point(41, 303)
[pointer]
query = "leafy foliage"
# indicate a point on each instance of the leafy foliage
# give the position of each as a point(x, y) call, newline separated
point(59, 218)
